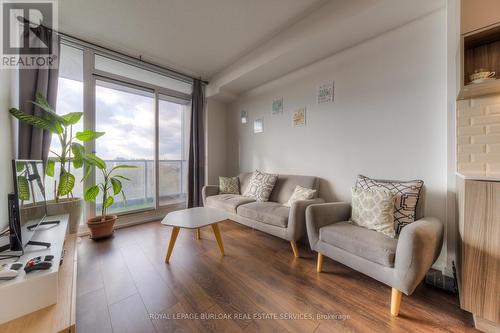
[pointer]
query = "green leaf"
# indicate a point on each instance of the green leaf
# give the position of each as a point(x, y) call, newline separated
point(117, 185)
point(48, 112)
point(121, 177)
point(109, 201)
point(122, 167)
point(43, 103)
point(88, 170)
point(88, 135)
point(50, 167)
point(23, 188)
point(78, 154)
point(94, 160)
point(91, 193)
point(38, 122)
point(72, 118)
point(66, 184)
point(124, 198)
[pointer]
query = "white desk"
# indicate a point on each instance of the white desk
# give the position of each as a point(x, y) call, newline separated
point(38, 289)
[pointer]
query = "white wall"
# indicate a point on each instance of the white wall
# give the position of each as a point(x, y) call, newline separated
point(5, 145)
point(389, 118)
point(216, 115)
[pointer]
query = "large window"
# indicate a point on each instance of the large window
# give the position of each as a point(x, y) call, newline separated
point(144, 113)
point(172, 156)
point(127, 117)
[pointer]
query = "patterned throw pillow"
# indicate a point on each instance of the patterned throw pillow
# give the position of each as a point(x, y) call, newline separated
point(260, 186)
point(229, 185)
point(300, 193)
point(407, 195)
point(373, 209)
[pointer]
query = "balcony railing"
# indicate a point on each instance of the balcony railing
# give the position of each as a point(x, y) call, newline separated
point(140, 190)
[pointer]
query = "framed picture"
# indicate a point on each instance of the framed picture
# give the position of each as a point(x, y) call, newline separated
point(258, 125)
point(299, 117)
point(326, 93)
point(244, 116)
point(277, 106)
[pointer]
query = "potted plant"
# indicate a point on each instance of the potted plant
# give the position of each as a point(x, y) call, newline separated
point(111, 186)
point(70, 155)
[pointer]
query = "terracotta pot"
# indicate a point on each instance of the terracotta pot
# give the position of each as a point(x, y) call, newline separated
point(72, 206)
point(101, 229)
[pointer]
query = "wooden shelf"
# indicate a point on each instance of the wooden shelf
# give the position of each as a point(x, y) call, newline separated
point(480, 89)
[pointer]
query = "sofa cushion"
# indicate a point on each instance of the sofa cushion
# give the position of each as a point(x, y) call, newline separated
point(286, 184)
point(407, 197)
point(266, 212)
point(260, 186)
point(365, 243)
point(300, 193)
point(373, 209)
point(227, 202)
point(229, 185)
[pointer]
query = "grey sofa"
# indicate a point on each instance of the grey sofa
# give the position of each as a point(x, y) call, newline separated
point(400, 263)
point(270, 217)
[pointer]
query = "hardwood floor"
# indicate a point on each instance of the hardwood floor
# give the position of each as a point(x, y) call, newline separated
point(124, 285)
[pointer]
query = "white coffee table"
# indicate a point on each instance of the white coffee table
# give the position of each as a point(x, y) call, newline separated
point(194, 218)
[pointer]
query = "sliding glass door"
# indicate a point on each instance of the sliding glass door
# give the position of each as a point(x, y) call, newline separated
point(144, 111)
point(126, 114)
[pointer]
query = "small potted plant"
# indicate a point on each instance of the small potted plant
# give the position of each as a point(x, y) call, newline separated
point(70, 155)
point(111, 186)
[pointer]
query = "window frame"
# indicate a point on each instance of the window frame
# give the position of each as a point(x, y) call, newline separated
point(90, 77)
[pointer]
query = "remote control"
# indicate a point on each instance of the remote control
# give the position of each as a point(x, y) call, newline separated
point(37, 264)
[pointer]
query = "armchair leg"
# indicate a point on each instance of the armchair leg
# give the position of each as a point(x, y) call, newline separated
point(319, 266)
point(395, 301)
point(295, 249)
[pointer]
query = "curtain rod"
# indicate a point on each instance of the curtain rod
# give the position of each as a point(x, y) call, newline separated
point(68, 36)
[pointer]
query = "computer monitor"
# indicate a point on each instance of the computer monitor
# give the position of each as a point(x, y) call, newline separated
point(27, 205)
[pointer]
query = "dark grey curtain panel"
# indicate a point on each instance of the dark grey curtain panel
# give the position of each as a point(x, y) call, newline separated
point(34, 143)
point(196, 163)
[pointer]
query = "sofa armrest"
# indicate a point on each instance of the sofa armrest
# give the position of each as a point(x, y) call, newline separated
point(320, 215)
point(418, 248)
point(297, 218)
point(207, 191)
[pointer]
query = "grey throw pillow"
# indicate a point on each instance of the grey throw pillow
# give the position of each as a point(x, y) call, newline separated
point(229, 185)
point(260, 186)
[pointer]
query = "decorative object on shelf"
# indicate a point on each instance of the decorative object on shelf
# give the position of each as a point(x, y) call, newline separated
point(244, 116)
point(258, 125)
point(102, 226)
point(299, 117)
point(71, 154)
point(326, 93)
point(277, 106)
point(481, 75)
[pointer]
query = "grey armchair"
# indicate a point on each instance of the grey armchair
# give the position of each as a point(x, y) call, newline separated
point(400, 263)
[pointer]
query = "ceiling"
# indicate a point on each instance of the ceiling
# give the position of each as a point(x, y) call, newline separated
point(199, 37)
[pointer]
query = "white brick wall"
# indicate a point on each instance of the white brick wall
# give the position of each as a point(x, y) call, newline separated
point(478, 141)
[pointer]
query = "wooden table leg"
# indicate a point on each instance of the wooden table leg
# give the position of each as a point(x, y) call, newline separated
point(216, 230)
point(173, 237)
point(198, 234)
